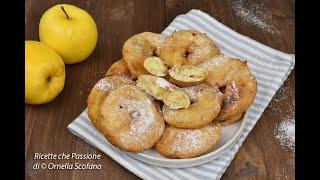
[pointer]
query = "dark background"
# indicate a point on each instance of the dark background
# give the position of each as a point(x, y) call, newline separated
point(260, 157)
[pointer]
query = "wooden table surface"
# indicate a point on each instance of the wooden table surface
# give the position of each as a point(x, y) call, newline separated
point(260, 157)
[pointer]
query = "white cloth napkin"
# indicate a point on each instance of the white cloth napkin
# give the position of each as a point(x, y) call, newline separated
point(271, 67)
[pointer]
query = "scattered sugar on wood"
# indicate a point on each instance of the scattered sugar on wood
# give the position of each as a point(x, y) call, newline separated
point(281, 95)
point(285, 133)
point(286, 170)
point(254, 13)
point(280, 100)
point(280, 174)
point(285, 130)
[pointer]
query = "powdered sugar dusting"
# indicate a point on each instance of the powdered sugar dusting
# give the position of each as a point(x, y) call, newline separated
point(193, 140)
point(254, 13)
point(201, 50)
point(141, 115)
point(160, 82)
point(215, 61)
point(234, 96)
point(105, 85)
point(235, 90)
point(193, 91)
point(187, 140)
point(193, 94)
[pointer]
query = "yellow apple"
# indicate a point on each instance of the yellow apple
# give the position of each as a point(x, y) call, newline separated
point(70, 31)
point(44, 73)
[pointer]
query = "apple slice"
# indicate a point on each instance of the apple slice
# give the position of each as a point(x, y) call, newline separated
point(187, 75)
point(155, 66)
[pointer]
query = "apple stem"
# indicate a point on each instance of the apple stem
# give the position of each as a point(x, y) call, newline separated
point(65, 12)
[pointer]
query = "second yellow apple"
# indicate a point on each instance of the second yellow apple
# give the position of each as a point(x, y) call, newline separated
point(44, 73)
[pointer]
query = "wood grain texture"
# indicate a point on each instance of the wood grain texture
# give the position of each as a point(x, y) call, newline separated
point(260, 157)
